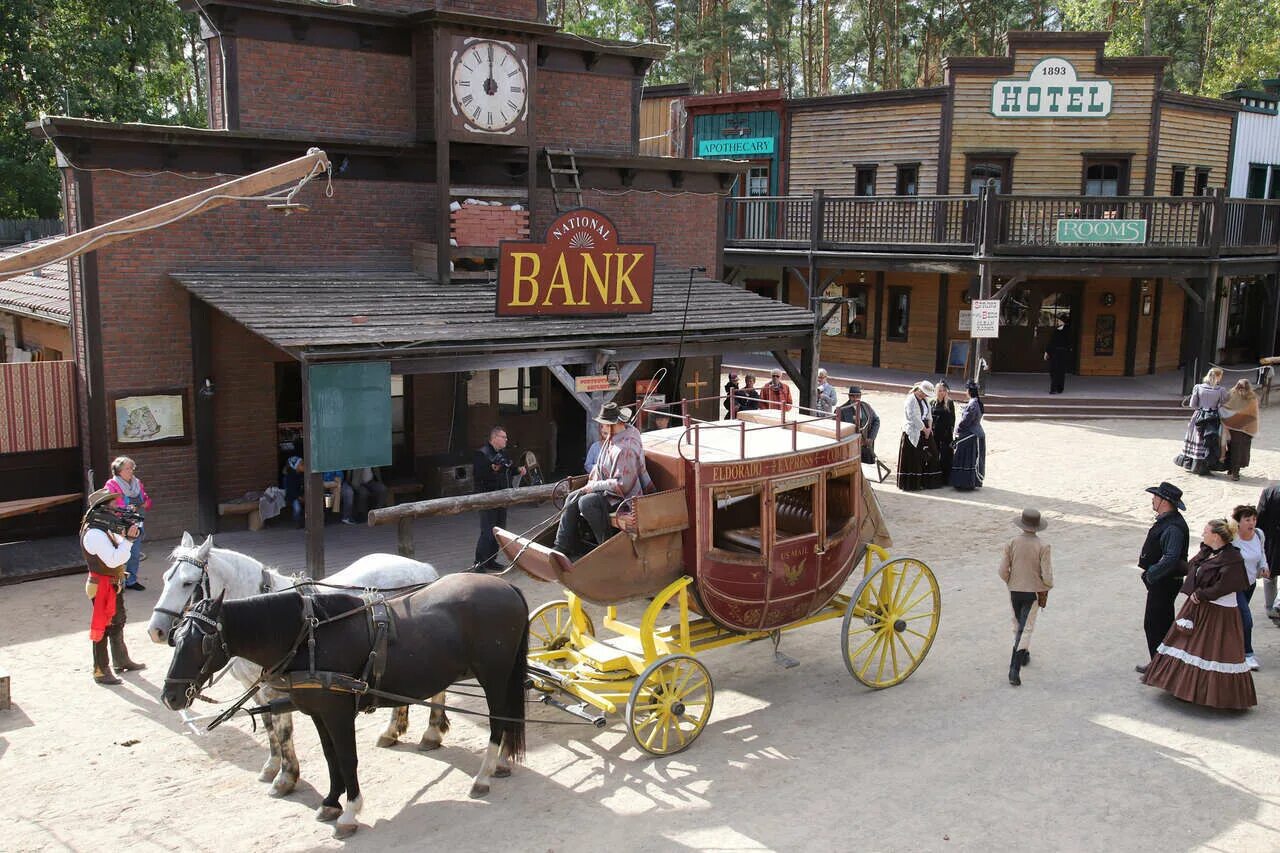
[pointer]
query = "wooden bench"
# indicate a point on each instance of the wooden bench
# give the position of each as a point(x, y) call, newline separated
point(249, 508)
point(398, 492)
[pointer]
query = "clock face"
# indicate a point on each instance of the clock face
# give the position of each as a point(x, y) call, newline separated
point(490, 85)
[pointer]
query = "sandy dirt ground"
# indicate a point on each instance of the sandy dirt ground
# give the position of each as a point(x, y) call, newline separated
point(1081, 757)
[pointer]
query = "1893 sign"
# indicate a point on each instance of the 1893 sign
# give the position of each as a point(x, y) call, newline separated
point(579, 268)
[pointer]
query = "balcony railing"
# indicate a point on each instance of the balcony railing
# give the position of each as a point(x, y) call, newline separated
point(992, 224)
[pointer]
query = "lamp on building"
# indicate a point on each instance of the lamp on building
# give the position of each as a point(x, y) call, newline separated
point(206, 390)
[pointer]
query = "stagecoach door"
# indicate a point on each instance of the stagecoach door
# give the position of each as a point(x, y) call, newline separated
point(796, 506)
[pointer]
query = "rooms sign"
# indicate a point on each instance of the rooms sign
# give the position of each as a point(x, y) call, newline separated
point(1051, 91)
point(580, 268)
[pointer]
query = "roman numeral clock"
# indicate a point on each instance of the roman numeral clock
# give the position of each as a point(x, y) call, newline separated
point(489, 86)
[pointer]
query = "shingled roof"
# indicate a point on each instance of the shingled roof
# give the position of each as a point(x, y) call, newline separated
point(44, 294)
point(407, 313)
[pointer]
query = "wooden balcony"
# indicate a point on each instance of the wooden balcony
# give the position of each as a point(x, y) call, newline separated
point(989, 224)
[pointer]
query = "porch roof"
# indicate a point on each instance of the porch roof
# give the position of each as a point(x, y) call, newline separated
point(43, 294)
point(398, 315)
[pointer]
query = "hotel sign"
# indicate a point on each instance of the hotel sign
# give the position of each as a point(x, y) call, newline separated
point(750, 147)
point(580, 268)
point(1124, 231)
point(1051, 91)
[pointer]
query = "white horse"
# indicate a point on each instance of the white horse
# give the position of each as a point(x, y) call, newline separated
point(218, 570)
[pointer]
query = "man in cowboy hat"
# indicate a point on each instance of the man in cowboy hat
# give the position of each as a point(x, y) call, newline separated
point(107, 541)
point(864, 419)
point(1027, 570)
point(1163, 561)
point(616, 476)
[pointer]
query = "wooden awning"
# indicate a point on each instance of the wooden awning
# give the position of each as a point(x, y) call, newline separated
point(346, 316)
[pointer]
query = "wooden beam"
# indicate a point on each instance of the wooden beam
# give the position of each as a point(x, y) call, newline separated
point(459, 504)
point(1191, 292)
point(313, 162)
point(566, 380)
point(312, 487)
point(203, 416)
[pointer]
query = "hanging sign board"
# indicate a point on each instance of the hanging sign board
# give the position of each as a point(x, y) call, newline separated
point(985, 319)
point(965, 321)
point(751, 147)
point(579, 269)
point(350, 407)
point(1052, 90)
point(1126, 231)
point(591, 384)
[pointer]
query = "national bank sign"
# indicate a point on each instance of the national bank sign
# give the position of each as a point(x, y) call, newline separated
point(1051, 91)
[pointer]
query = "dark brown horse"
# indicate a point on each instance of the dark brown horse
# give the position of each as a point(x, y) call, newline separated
point(464, 625)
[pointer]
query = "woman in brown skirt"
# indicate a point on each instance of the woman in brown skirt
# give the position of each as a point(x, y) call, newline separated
point(1240, 419)
point(1202, 657)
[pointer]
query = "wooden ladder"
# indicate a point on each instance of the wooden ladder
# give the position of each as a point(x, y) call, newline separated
point(561, 161)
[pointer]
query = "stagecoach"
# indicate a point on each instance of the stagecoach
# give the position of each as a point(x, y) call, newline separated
point(755, 525)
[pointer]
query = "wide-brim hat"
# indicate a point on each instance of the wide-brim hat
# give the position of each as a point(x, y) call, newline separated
point(926, 387)
point(1169, 492)
point(100, 497)
point(855, 390)
point(610, 414)
point(1030, 521)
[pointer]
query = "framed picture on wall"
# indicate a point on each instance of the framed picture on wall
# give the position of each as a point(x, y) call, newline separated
point(151, 417)
point(1104, 335)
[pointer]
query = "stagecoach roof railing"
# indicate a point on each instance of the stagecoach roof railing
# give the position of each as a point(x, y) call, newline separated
point(693, 426)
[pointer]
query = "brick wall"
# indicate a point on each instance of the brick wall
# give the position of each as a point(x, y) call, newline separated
point(307, 88)
point(486, 225)
point(9, 333)
point(587, 111)
point(683, 225)
point(146, 317)
point(213, 83)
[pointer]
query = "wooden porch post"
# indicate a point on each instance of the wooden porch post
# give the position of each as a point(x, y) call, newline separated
point(202, 408)
point(312, 486)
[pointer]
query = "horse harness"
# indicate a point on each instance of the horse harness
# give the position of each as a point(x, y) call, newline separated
point(202, 589)
point(381, 624)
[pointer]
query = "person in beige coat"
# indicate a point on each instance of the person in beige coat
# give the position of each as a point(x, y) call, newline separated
point(1240, 420)
point(1027, 569)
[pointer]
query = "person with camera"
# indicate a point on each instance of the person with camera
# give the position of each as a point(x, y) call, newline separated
point(108, 533)
point(492, 471)
point(131, 495)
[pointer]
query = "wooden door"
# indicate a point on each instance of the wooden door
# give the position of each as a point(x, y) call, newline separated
point(1028, 316)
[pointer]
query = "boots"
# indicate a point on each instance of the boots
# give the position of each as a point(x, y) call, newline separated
point(1015, 668)
point(101, 668)
point(119, 653)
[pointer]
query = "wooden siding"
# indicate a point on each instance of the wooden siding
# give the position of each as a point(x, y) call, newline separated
point(1257, 141)
point(1048, 151)
point(1193, 138)
point(1091, 309)
point(656, 138)
point(1169, 339)
point(758, 124)
point(827, 145)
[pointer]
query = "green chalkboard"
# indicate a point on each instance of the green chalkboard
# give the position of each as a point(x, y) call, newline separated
point(350, 423)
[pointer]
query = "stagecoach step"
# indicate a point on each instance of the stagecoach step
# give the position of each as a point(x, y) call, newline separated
point(579, 710)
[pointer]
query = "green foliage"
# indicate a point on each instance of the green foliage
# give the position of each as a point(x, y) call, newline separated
point(117, 60)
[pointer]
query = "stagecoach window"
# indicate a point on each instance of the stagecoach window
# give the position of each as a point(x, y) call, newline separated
point(735, 522)
point(519, 390)
point(793, 512)
point(842, 506)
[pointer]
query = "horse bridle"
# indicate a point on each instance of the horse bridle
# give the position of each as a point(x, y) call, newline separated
point(207, 646)
point(201, 589)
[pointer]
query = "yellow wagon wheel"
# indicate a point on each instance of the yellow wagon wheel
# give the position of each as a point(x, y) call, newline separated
point(670, 704)
point(549, 626)
point(891, 622)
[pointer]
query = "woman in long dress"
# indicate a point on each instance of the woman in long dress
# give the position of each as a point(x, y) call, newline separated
point(918, 466)
point(969, 462)
point(1203, 439)
point(1240, 420)
point(944, 427)
point(1202, 657)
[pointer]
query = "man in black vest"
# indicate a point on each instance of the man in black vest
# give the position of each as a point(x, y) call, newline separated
point(1163, 562)
point(491, 471)
point(1269, 524)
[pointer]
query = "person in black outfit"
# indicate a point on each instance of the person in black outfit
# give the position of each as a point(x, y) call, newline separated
point(1164, 563)
point(944, 426)
point(731, 400)
point(1058, 354)
point(492, 471)
point(748, 397)
point(1269, 524)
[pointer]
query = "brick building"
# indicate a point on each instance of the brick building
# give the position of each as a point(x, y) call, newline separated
point(224, 314)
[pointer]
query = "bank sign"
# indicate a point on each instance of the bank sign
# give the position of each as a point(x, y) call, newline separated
point(750, 147)
point(1124, 231)
point(580, 268)
point(1051, 91)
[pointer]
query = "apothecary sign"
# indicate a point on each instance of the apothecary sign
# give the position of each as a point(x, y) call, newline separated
point(1052, 90)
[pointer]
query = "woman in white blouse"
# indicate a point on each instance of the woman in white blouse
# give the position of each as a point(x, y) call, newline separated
point(1252, 547)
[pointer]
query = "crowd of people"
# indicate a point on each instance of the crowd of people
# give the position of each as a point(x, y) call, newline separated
point(936, 448)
